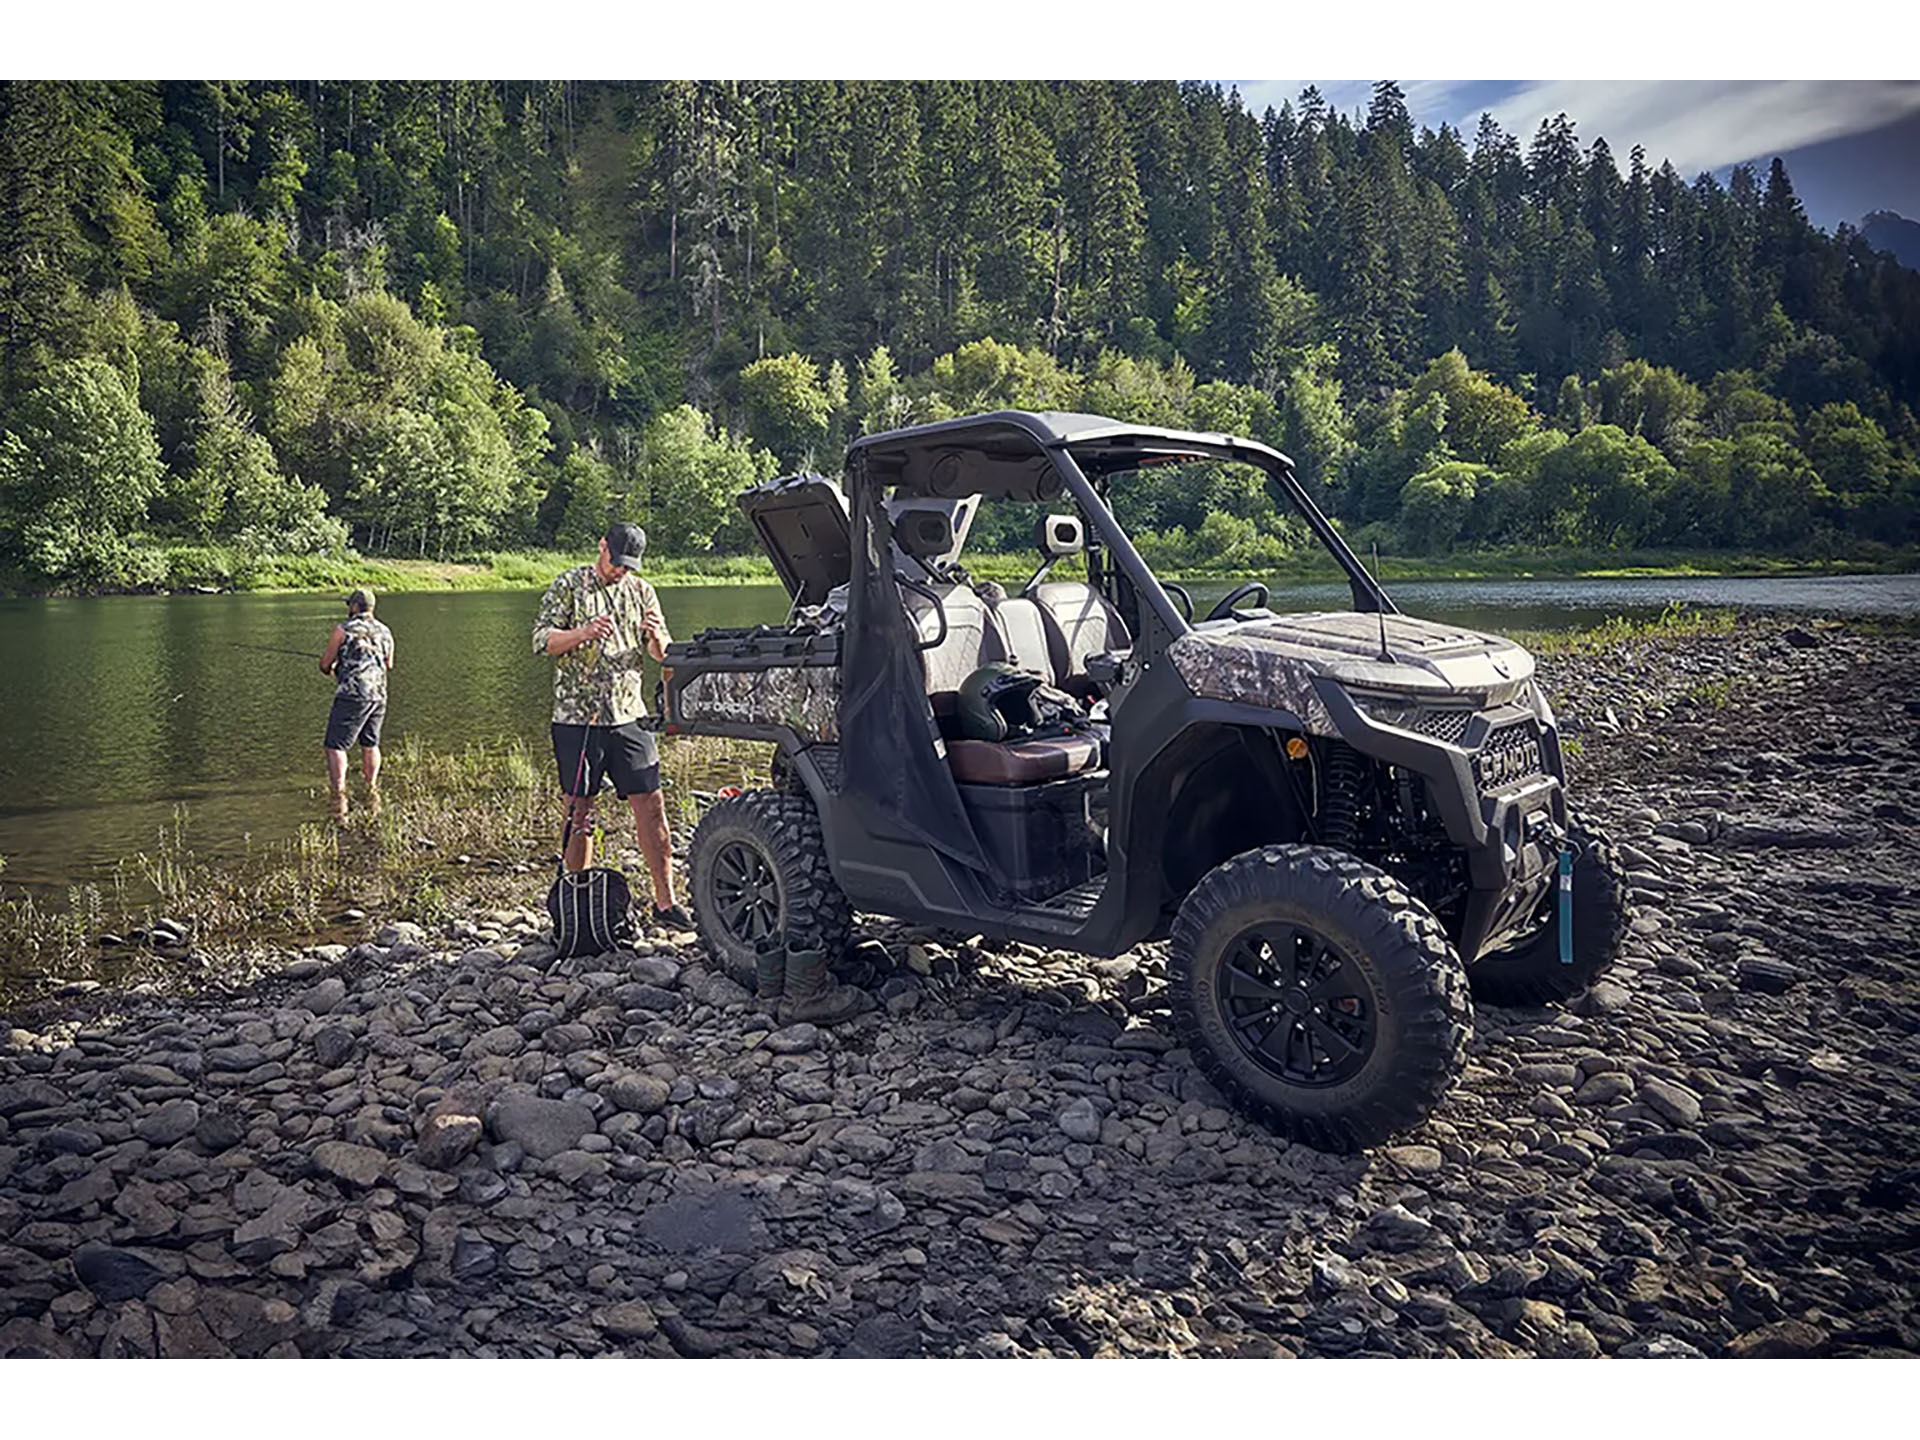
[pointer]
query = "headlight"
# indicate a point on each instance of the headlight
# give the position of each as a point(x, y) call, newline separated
point(1396, 710)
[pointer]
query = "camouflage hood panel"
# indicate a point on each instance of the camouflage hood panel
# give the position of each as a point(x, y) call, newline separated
point(1274, 663)
point(803, 698)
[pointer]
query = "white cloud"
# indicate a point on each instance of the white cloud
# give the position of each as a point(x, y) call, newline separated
point(1706, 124)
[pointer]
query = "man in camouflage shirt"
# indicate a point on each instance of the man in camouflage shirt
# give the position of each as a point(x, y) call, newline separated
point(598, 622)
point(358, 656)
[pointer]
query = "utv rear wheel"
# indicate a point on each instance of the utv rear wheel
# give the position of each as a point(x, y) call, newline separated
point(1319, 995)
point(1532, 972)
point(758, 866)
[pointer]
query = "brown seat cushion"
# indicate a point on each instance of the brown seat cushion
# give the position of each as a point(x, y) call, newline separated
point(1020, 762)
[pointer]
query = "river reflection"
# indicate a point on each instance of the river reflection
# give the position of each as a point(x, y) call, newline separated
point(114, 711)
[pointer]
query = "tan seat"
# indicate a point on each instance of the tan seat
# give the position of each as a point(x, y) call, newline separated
point(1020, 762)
point(1020, 632)
point(1080, 623)
point(969, 641)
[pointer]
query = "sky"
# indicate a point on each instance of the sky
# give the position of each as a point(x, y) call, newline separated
point(1850, 146)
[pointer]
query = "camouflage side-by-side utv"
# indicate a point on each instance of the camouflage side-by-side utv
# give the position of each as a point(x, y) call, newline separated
point(1340, 821)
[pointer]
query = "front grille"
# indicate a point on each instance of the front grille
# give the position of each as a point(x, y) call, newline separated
point(1511, 754)
point(1447, 726)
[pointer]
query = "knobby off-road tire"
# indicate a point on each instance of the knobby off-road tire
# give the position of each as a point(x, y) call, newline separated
point(1347, 937)
point(758, 865)
point(1530, 972)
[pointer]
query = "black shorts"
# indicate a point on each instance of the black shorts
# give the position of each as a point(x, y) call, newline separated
point(625, 754)
point(355, 720)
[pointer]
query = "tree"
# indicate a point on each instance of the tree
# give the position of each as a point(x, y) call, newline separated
point(1652, 401)
point(590, 506)
point(788, 408)
point(1435, 504)
point(1482, 416)
point(693, 472)
point(1602, 487)
point(78, 463)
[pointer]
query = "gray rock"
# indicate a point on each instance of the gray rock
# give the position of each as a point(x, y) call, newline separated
point(1659, 1347)
point(72, 1140)
point(633, 1320)
point(1417, 1159)
point(332, 1045)
point(356, 1164)
point(945, 1157)
point(794, 1039)
point(1395, 1228)
point(1081, 1121)
point(324, 998)
point(218, 1130)
point(172, 1122)
point(1604, 1089)
point(116, 1275)
point(24, 1095)
point(1672, 1103)
point(638, 1093)
point(543, 1128)
point(446, 1138)
point(1767, 976)
point(864, 1143)
point(654, 970)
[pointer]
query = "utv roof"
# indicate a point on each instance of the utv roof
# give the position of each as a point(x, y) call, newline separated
point(1003, 452)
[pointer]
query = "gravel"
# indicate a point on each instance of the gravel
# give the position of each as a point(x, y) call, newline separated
point(451, 1144)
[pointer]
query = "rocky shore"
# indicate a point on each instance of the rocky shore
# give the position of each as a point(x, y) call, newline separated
point(451, 1144)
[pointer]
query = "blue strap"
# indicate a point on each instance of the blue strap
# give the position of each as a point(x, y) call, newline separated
point(1566, 906)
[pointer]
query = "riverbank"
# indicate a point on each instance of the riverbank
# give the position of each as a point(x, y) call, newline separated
point(442, 1141)
point(177, 569)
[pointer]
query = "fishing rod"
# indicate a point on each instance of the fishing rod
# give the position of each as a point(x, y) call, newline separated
point(274, 649)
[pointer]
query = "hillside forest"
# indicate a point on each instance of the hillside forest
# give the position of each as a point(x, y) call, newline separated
point(450, 318)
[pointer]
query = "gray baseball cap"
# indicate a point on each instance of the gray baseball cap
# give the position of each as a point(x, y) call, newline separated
point(626, 543)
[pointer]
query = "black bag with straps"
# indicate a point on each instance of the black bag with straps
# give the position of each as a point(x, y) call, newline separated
point(592, 909)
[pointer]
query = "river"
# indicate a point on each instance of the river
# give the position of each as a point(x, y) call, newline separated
point(116, 711)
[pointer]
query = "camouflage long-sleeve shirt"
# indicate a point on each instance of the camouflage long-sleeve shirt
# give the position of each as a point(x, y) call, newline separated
point(599, 683)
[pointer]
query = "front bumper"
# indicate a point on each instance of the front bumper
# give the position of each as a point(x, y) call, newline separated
point(1497, 788)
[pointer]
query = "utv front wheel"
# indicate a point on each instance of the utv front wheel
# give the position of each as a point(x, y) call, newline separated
point(758, 866)
point(1319, 995)
point(1532, 971)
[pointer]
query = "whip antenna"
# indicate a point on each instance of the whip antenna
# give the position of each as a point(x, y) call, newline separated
point(1379, 608)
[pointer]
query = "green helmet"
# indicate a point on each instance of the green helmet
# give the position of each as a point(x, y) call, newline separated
point(989, 694)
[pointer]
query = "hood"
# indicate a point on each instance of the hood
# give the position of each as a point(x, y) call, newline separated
point(1276, 663)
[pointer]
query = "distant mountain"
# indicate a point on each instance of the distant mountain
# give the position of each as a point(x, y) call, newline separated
point(1895, 234)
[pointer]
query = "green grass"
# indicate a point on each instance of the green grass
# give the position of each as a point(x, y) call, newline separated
point(181, 567)
point(459, 831)
point(1674, 622)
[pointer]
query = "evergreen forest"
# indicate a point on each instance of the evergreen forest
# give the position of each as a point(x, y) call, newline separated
point(447, 319)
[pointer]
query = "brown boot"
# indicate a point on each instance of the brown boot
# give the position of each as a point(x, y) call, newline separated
point(770, 968)
point(811, 993)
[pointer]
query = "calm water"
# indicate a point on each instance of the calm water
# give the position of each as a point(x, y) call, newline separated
point(114, 711)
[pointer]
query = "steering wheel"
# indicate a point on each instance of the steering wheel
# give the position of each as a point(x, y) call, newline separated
point(1228, 601)
point(1179, 593)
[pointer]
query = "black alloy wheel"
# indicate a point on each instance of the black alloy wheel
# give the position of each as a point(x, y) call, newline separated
point(746, 893)
point(757, 871)
point(1318, 994)
point(1297, 1005)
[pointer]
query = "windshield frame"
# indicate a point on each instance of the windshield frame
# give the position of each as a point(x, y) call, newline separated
point(1079, 458)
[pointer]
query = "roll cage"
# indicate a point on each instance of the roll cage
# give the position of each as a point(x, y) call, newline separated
point(1039, 456)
